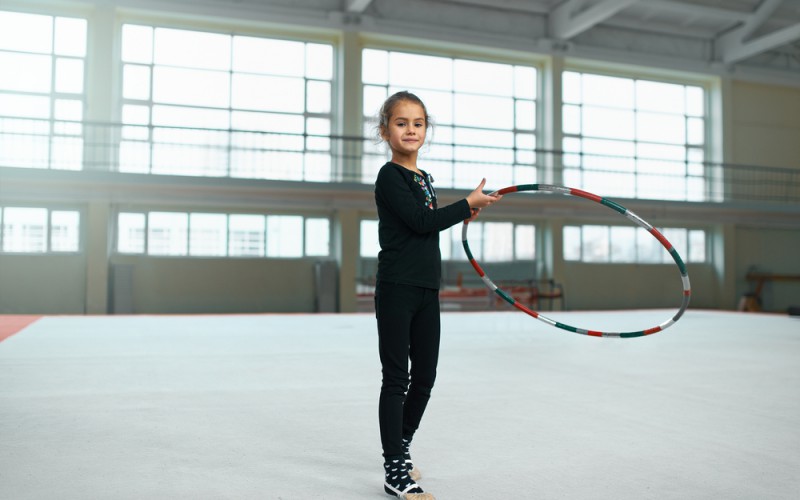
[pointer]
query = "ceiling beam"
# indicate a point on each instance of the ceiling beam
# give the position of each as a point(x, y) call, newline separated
point(699, 11)
point(567, 20)
point(738, 44)
point(357, 6)
point(742, 50)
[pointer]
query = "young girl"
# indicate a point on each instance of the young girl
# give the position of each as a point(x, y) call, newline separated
point(407, 291)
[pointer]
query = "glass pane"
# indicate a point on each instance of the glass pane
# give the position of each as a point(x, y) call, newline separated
point(695, 101)
point(317, 167)
point(571, 119)
point(484, 111)
point(64, 231)
point(526, 115)
point(498, 241)
point(208, 235)
point(246, 235)
point(318, 126)
point(136, 82)
point(27, 106)
point(26, 32)
point(483, 78)
point(595, 243)
point(70, 37)
point(192, 49)
point(134, 157)
point(69, 75)
point(167, 233)
point(659, 96)
point(648, 249)
point(137, 44)
point(130, 233)
point(623, 244)
point(696, 131)
point(319, 61)
point(68, 109)
point(267, 122)
point(524, 242)
point(572, 243)
point(475, 241)
point(608, 91)
point(135, 115)
point(373, 100)
point(659, 127)
point(177, 116)
point(319, 97)
point(25, 230)
point(697, 246)
point(375, 66)
point(606, 122)
point(268, 57)
point(191, 87)
point(318, 235)
point(284, 236)
point(413, 70)
point(67, 153)
point(525, 82)
point(35, 77)
point(370, 245)
point(571, 88)
point(268, 93)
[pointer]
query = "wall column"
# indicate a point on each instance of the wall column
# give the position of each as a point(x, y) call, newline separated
point(98, 237)
point(347, 238)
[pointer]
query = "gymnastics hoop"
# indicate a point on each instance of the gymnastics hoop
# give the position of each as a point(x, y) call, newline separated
point(687, 291)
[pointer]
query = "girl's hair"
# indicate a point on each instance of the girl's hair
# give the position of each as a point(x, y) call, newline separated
point(388, 107)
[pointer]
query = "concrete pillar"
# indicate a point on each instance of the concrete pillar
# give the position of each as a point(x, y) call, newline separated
point(350, 107)
point(347, 228)
point(98, 243)
point(551, 135)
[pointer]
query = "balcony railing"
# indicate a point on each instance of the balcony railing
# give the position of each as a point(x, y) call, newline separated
point(161, 150)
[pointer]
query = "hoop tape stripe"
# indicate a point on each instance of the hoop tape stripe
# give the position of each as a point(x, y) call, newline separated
point(687, 291)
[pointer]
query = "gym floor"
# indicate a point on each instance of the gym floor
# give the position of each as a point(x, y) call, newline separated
point(285, 407)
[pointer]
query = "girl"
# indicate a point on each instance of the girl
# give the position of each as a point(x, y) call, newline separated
point(407, 291)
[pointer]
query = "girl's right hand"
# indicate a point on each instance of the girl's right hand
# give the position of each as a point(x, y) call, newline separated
point(477, 199)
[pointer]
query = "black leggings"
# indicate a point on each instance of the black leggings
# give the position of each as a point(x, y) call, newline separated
point(408, 327)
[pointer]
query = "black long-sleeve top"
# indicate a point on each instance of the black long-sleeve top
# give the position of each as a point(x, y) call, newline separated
point(408, 227)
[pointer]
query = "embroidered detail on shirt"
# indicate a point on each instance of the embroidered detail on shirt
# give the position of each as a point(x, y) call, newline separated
point(428, 197)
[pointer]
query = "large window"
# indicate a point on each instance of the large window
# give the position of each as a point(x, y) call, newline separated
point(214, 104)
point(488, 241)
point(222, 235)
point(634, 138)
point(485, 116)
point(42, 69)
point(624, 244)
point(39, 230)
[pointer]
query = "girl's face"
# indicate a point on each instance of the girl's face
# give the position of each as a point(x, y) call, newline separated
point(406, 129)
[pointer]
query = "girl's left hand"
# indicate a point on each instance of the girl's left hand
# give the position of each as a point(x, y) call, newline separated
point(475, 212)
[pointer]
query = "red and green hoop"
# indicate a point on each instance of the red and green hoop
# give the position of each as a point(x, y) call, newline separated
point(687, 291)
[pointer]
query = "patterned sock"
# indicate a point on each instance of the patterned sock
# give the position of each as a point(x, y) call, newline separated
point(407, 453)
point(397, 481)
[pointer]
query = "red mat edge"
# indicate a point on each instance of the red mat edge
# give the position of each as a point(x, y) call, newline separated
point(14, 323)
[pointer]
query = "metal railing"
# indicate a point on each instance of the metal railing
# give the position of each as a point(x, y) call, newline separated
point(161, 150)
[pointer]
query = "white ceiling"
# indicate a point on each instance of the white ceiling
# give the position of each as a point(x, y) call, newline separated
point(723, 35)
point(749, 39)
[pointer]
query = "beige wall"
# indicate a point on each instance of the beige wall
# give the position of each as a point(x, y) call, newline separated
point(43, 284)
point(766, 125)
point(198, 285)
